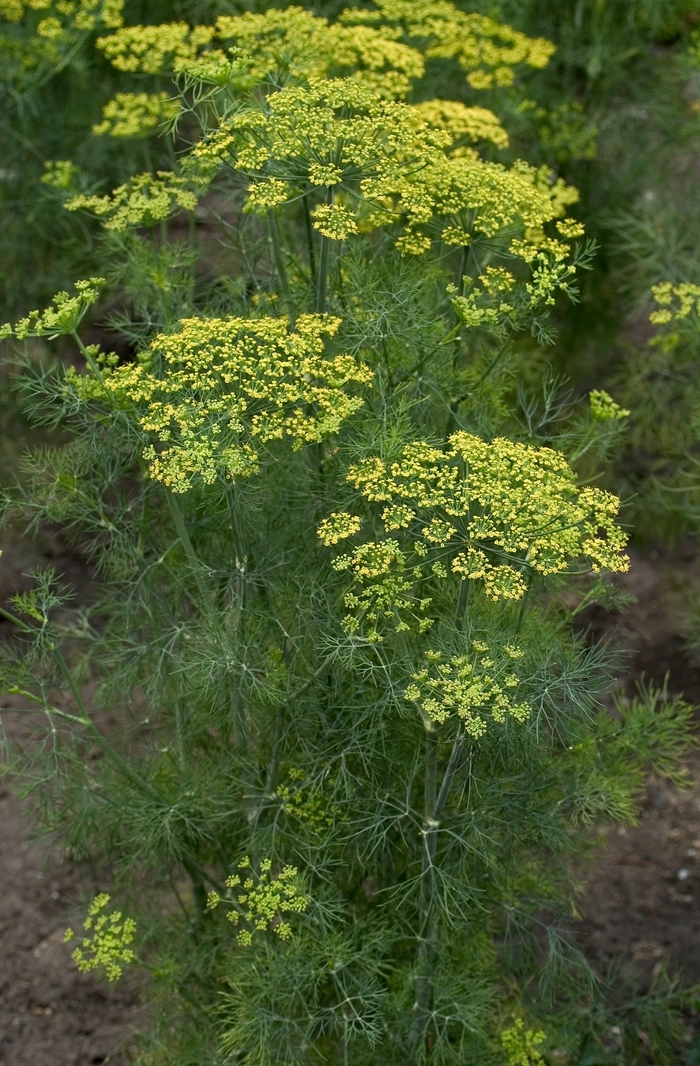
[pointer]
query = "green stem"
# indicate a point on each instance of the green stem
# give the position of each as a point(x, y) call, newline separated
point(462, 603)
point(321, 290)
point(199, 892)
point(310, 239)
point(281, 267)
point(463, 269)
point(88, 358)
point(187, 546)
point(88, 723)
point(426, 930)
point(434, 803)
point(492, 365)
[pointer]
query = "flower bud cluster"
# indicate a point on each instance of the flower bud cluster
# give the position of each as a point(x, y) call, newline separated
point(63, 315)
point(261, 899)
point(489, 512)
point(136, 114)
point(108, 944)
point(470, 686)
point(218, 388)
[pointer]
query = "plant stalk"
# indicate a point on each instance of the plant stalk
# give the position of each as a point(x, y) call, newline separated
point(434, 803)
point(281, 266)
point(187, 546)
point(321, 290)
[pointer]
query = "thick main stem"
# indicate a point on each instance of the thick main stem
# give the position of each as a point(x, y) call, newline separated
point(426, 946)
point(433, 805)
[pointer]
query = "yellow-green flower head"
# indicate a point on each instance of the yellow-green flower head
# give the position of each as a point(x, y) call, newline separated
point(488, 512)
point(336, 133)
point(487, 50)
point(330, 132)
point(309, 803)
point(297, 44)
point(522, 1045)
point(471, 686)
point(460, 198)
point(675, 302)
point(215, 391)
point(142, 201)
point(260, 901)
point(59, 174)
point(464, 124)
point(63, 315)
point(109, 942)
point(65, 15)
point(604, 408)
point(151, 49)
point(136, 114)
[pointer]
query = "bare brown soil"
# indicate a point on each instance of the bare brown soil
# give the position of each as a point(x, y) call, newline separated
point(641, 906)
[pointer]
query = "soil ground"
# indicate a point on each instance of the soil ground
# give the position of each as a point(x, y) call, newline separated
point(641, 906)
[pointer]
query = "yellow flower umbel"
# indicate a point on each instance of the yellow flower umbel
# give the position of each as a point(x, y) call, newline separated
point(464, 124)
point(136, 114)
point(262, 900)
point(109, 940)
point(488, 51)
point(63, 315)
point(307, 802)
point(153, 49)
point(522, 1045)
point(142, 201)
point(604, 408)
point(470, 686)
point(215, 391)
point(675, 302)
point(300, 46)
point(336, 135)
point(492, 513)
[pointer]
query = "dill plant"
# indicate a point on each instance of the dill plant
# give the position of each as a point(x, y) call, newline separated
point(355, 743)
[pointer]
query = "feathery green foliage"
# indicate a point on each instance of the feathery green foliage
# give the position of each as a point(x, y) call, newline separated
point(353, 783)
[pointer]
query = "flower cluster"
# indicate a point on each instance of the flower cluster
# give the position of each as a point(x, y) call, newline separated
point(108, 945)
point(306, 803)
point(464, 197)
point(261, 899)
point(675, 302)
point(136, 114)
point(463, 123)
point(210, 392)
point(59, 174)
point(63, 315)
point(304, 46)
point(65, 15)
point(488, 512)
point(470, 686)
point(290, 45)
point(522, 1045)
point(330, 133)
point(604, 408)
point(142, 201)
point(487, 50)
point(150, 49)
